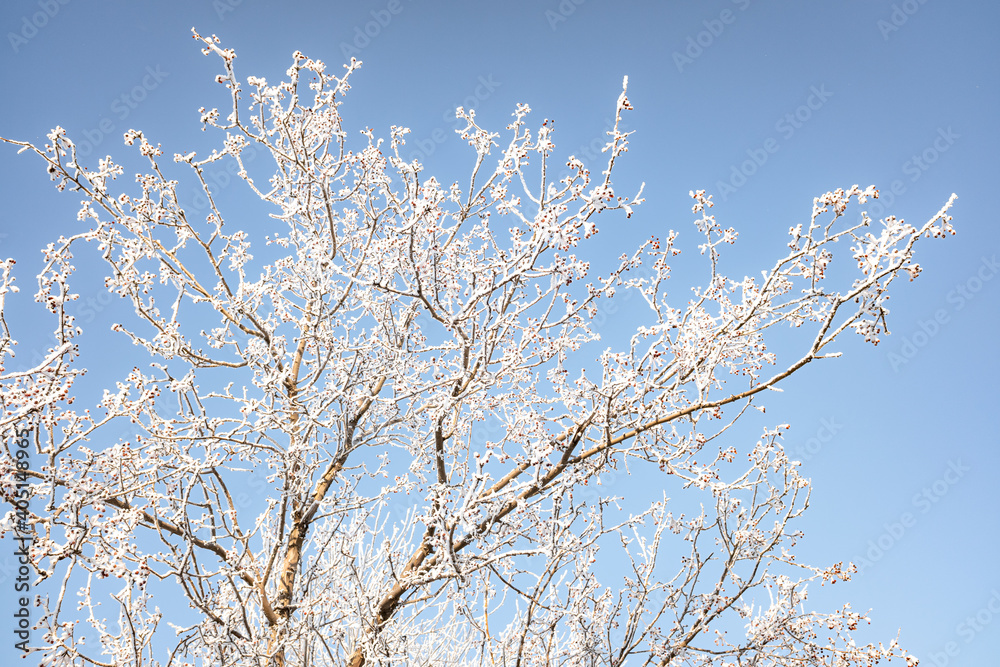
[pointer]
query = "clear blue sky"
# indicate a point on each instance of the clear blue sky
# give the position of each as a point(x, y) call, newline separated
point(900, 440)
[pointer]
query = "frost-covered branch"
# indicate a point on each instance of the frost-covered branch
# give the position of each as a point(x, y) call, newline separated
point(369, 438)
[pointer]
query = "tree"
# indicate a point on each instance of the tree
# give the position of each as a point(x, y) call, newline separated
point(345, 374)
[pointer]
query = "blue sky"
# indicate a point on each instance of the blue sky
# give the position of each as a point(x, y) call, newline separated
point(765, 105)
